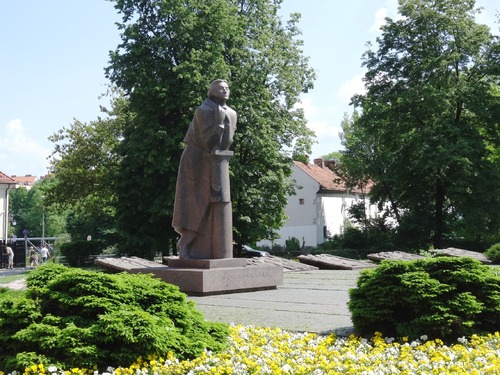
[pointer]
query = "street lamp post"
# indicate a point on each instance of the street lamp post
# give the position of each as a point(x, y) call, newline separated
point(25, 232)
point(43, 227)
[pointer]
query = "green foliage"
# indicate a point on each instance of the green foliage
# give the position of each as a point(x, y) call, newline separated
point(334, 155)
point(170, 52)
point(354, 238)
point(292, 244)
point(333, 243)
point(373, 237)
point(86, 319)
point(427, 129)
point(77, 252)
point(493, 253)
point(29, 207)
point(441, 297)
point(85, 161)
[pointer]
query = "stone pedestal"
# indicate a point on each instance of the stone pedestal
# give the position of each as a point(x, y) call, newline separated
point(206, 263)
point(201, 277)
point(220, 276)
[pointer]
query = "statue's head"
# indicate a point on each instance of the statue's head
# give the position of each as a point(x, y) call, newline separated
point(219, 90)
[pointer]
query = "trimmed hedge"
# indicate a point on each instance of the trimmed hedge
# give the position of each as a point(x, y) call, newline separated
point(77, 253)
point(493, 253)
point(76, 318)
point(442, 297)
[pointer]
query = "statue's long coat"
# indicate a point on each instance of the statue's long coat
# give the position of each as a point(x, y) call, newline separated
point(212, 128)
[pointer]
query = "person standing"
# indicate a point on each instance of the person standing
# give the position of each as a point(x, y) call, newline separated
point(10, 257)
point(44, 253)
point(33, 257)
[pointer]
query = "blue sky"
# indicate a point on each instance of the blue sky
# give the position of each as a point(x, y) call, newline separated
point(54, 53)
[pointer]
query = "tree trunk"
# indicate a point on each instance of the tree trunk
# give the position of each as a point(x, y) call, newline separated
point(439, 214)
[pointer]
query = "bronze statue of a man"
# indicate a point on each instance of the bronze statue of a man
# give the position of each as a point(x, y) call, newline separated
point(202, 207)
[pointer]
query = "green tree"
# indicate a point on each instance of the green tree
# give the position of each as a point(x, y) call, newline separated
point(429, 122)
point(334, 155)
point(85, 162)
point(170, 52)
point(32, 212)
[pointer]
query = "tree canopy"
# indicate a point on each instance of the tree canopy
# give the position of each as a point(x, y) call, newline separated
point(170, 52)
point(85, 164)
point(428, 127)
point(33, 212)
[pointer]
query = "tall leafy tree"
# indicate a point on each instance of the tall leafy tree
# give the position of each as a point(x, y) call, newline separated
point(33, 213)
point(84, 164)
point(429, 120)
point(170, 52)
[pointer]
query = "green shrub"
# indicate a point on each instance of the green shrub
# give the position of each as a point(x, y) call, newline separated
point(81, 318)
point(493, 253)
point(334, 243)
point(77, 252)
point(441, 297)
point(292, 244)
point(354, 238)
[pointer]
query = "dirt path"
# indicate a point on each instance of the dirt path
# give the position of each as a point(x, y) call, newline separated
point(15, 285)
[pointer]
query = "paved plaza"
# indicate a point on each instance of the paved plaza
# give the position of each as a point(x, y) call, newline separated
point(312, 301)
point(309, 301)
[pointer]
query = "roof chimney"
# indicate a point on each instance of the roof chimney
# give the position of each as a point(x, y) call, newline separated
point(330, 164)
point(319, 162)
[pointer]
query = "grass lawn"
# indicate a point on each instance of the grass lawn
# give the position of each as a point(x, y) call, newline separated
point(10, 278)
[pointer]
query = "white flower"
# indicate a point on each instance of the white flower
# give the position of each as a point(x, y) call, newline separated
point(286, 368)
point(462, 340)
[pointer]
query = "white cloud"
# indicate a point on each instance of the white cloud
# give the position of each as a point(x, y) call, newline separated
point(390, 9)
point(316, 116)
point(310, 110)
point(380, 16)
point(20, 154)
point(354, 86)
point(323, 128)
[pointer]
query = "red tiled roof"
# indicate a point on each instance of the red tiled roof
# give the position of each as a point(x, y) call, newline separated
point(4, 179)
point(25, 180)
point(326, 178)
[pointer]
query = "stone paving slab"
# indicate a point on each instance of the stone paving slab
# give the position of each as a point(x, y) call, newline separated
point(127, 264)
point(393, 255)
point(309, 301)
point(131, 263)
point(288, 265)
point(454, 252)
point(333, 262)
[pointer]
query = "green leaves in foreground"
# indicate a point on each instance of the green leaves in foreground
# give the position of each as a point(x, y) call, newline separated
point(84, 319)
point(442, 297)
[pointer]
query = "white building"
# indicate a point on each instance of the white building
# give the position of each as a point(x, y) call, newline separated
point(319, 208)
point(6, 183)
point(25, 182)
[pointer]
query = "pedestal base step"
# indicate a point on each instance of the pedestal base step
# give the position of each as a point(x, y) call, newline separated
point(201, 277)
point(195, 281)
point(206, 263)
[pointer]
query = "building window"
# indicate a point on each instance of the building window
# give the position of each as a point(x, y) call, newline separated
point(301, 201)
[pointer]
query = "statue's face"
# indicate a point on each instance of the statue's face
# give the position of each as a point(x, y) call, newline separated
point(220, 90)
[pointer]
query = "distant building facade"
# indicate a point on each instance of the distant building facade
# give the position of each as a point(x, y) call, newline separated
point(319, 209)
point(25, 182)
point(6, 183)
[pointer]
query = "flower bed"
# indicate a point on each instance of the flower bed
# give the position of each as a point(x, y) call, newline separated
point(254, 350)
